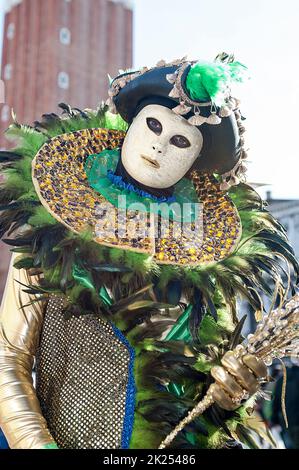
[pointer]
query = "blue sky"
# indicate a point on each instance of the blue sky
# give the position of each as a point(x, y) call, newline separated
point(263, 35)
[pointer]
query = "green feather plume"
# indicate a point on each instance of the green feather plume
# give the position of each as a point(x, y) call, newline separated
point(211, 80)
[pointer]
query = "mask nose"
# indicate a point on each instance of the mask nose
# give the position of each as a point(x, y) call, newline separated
point(157, 148)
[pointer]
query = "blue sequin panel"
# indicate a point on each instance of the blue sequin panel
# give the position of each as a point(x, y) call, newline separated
point(131, 392)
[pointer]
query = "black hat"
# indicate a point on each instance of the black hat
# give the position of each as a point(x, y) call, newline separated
point(170, 85)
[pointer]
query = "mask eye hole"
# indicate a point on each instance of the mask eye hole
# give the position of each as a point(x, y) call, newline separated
point(154, 125)
point(180, 141)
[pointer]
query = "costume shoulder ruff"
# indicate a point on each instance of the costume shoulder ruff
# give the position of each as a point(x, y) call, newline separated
point(62, 185)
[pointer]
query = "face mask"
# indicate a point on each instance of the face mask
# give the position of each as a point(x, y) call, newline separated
point(160, 147)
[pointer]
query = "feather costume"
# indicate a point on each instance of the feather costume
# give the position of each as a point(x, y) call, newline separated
point(164, 325)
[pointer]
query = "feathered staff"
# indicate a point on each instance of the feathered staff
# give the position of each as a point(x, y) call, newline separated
point(276, 336)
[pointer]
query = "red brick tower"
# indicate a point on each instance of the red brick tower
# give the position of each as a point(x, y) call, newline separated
point(60, 50)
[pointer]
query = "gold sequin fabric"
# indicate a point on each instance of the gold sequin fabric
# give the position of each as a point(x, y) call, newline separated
point(221, 228)
point(61, 183)
point(81, 379)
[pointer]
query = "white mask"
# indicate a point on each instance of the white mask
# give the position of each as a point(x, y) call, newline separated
point(160, 147)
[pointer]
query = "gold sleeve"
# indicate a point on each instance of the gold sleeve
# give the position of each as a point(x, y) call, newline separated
point(21, 418)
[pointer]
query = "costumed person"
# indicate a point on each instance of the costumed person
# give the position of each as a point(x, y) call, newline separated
point(132, 237)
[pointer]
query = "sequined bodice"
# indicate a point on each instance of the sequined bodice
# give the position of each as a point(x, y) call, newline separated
point(83, 380)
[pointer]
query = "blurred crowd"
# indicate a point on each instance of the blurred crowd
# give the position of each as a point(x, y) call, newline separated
point(284, 427)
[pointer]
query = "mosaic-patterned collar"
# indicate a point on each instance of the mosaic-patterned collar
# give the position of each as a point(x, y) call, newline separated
point(61, 182)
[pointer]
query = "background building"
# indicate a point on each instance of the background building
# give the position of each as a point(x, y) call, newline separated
point(287, 212)
point(60, 51)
